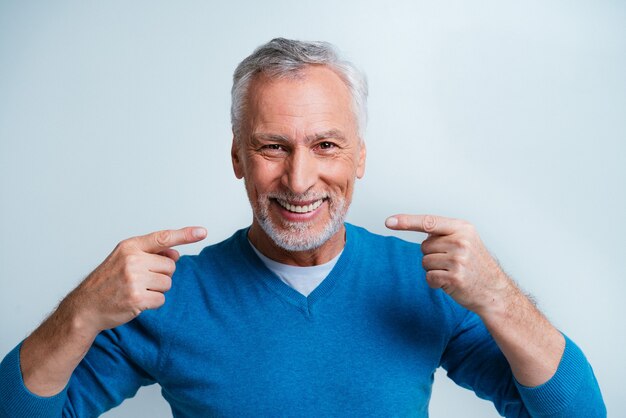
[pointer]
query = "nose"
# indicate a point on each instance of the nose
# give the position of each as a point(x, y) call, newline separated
point(301, 171)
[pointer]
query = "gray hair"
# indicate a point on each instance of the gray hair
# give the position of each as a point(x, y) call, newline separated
point(286, 58)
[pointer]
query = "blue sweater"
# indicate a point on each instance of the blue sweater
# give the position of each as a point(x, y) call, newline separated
point(233, 340)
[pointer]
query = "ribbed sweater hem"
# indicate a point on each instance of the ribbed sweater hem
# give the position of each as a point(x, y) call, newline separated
point(15, 397)
point(562, 389)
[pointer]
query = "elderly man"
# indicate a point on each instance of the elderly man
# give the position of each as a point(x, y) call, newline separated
point(299, 314)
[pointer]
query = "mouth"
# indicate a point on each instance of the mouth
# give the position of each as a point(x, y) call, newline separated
point(301, 207)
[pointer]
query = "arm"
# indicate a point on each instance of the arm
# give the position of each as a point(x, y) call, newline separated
point(132, 279)
point(473, 360)
point(117, 364)
point(456, 261)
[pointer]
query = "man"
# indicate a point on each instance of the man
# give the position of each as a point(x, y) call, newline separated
point(299, 314)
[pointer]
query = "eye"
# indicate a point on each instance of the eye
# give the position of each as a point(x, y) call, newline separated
point(273, 150)
point(326, 145)
point(273, 147)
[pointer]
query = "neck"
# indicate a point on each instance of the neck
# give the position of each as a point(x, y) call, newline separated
point(329, 250)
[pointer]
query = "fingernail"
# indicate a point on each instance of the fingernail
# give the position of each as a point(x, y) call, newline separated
point(391, 222)
point(199, 232)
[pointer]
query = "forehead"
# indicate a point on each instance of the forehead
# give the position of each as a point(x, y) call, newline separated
point(316, 99)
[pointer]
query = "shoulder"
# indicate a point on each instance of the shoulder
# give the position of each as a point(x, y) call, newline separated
point(389, 258)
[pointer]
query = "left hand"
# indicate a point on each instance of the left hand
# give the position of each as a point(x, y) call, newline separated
point(456, 260)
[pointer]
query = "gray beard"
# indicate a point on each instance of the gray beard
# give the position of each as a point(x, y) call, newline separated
point(297, 236)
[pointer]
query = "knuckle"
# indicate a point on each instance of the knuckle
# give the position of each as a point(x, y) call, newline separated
point(130, 262)
point(456, 278)
point(429, 223)
point(459, 273)
point(457, 260)
point(128, 275)
point(131, 259)
point(432, 279)
point(135, 298)
point(468, 227)
point(127, 272)
point(122, 246)
point(171, 266)
point(464, 244)
point(160, 299)
point(162, 238)
point(452, 280)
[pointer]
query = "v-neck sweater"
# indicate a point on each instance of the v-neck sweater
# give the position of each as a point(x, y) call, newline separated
point(233, 340)
point(304, 279)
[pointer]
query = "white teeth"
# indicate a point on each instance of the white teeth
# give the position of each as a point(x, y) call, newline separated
point(300, 209)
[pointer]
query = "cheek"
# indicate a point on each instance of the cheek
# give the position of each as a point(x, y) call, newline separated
point(262, 174)
point(340, 172)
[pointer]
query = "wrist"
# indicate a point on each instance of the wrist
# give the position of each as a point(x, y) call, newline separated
point(50, 354)
point(501, 297)
point(78, 320)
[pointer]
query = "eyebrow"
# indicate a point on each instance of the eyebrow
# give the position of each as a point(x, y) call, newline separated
point(269, 137)
point(331, 133)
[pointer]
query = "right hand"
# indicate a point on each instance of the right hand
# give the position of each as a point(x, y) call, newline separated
point(133, 278)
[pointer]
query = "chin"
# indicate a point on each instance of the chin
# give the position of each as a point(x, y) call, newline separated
point(303, 236)
point(296, 232)
point(298, 236)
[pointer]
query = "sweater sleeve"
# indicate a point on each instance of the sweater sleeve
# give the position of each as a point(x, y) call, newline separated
point(474, 361)
point(573, 391)
point(107, 375)
point(16, 400)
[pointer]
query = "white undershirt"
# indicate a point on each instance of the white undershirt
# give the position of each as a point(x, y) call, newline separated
point(302, 279)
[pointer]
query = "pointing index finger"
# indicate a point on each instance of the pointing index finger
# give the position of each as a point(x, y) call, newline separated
point(162, 240)
point(430, 224)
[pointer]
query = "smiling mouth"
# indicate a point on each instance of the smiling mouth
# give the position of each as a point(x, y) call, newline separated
point(300, 208)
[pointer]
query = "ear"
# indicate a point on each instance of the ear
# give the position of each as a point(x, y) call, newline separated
point(234, 155)
point(360, 168)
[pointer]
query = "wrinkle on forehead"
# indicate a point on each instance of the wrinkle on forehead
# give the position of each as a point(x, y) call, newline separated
point(313, 104)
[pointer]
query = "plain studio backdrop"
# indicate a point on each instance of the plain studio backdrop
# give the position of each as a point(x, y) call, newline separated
point(114, 122)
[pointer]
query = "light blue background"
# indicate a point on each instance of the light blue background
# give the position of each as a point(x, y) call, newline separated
point(114, 121)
